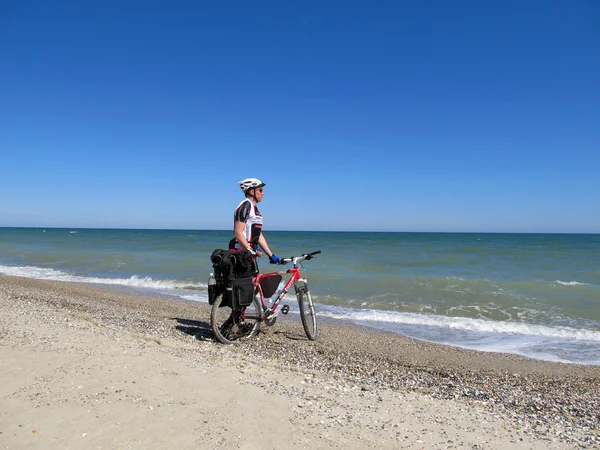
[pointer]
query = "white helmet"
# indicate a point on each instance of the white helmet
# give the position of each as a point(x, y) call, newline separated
point(250, 183)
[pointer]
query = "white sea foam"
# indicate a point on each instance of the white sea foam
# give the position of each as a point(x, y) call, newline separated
point(570, 283)
point(460, 323)
point(134, 281)
point(196, 297)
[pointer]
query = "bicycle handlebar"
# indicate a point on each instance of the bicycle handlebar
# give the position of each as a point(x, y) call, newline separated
point(297, 259)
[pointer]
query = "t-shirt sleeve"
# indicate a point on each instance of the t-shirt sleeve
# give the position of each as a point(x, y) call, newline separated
point(242, 212)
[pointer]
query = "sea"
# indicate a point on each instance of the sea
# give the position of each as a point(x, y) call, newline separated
point(535, 295)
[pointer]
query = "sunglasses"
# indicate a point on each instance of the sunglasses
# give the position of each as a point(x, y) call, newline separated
point(259, 189)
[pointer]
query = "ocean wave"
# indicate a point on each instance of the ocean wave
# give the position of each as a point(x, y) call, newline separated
point(133, 281)
point(461, 323)
point(570, 283)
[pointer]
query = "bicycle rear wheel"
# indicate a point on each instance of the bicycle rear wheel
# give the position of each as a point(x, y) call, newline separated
point(307, 312)
point(230, 325)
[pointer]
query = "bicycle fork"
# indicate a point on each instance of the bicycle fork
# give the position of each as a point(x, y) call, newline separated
point(302, 286)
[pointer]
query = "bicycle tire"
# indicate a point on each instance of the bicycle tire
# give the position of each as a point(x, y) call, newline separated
point(307, 313)
point(227, 325)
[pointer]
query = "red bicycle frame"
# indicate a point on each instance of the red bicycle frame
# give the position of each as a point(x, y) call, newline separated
point(295, 276)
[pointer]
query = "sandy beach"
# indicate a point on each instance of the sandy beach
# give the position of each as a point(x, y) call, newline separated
point(85, 366)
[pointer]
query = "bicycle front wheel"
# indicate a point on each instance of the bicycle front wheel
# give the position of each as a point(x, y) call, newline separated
point(231, 325)
point(307, 313)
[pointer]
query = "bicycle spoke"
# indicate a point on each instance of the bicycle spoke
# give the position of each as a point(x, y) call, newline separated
point(307, 313)
point(229, 326)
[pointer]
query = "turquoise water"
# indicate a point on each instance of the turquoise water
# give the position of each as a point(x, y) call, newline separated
point(532, 294)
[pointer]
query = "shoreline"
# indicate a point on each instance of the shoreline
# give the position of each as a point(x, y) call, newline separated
point(152, 292)
point(465, 396)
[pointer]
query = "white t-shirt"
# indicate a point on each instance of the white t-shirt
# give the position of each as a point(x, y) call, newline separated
point(248, 213)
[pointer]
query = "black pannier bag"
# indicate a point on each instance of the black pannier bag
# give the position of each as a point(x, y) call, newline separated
point(269, 284)
point(239, 292)
point(233, 264)
point(233, 271)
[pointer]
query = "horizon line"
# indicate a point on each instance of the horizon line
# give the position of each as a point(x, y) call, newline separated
point(301, 231)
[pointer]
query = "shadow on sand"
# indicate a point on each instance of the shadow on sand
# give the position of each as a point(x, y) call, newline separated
point(200, 330)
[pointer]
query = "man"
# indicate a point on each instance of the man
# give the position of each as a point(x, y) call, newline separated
point(248, 221)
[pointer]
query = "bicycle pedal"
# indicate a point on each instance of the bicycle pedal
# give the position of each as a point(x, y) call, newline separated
point(285, 309)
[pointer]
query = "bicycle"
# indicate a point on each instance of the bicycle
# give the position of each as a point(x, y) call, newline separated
point(230, 325)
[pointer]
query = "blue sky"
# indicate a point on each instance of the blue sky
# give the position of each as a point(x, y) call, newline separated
point(387, 116)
